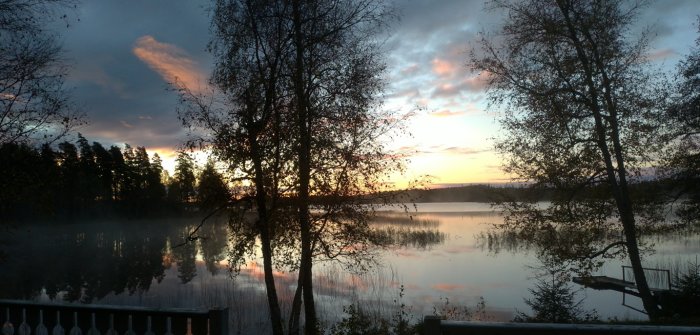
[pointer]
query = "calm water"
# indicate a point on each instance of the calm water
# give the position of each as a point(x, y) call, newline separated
point(137, 263)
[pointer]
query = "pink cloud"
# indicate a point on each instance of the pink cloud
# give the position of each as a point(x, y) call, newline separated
point(661, 54)
point(444, 287)
point(443, 67)
point(170, 62)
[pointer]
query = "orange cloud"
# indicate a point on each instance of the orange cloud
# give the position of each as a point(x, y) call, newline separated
point(661, 54)
point(443, 67)
point(170, 62)
point(448, 287)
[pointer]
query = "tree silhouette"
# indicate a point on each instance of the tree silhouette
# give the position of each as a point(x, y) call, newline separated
point(294, 111)
point(34, 105)
point(70, 178)
point(336, 80)
point(582, 113)
point(79, 181)
point(212, 191)
point(89, 182)
point(182, 185)
point(105, 172)
point(554, 301)
point(683, 161)
point(155, 189)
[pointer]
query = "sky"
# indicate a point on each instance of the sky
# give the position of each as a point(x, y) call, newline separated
point(123, 53)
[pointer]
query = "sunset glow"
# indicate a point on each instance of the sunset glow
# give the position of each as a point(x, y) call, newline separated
point(126, 84)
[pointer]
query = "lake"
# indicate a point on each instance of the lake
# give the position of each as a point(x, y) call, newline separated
point(442, 261)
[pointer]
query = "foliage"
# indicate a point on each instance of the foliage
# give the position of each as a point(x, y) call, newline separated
point(212, 191)
point(554, 301)
point(582, 111)
point(682, 160)
point(77, 181)
point(687, 284)
point(294, 115)
point(34, 104)
point(182, 185)
point(359, 321)
point(449, 311)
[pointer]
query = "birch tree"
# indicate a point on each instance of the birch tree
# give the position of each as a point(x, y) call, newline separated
point(582, 114)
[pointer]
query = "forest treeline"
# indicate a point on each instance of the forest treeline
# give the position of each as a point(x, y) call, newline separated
point(530, 193)
point(474, 193)
point(84, 180)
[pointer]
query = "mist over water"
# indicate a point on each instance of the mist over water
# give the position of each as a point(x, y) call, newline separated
point(440, 255)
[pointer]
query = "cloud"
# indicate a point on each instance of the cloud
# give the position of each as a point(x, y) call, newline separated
point(170, 62)
point(126, 124)
point(661, 54)
point(446, 91)
point(464, 150)
point(410, 70)
point(454, 88)
point(447, 113)
point(439, 149)
point(444, 68)
point(96, 74)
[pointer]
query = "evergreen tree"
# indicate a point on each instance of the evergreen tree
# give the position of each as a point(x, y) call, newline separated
point(118, 173)
point(155, 190)
point(18, 180)
point(69, 168)
point(48, 179)
point(182, 187)
point(141, 166)
point(105, 172)
point(88, 174)
point(554, 301)
point(211, 189)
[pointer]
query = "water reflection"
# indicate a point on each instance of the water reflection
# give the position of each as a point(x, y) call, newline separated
point(86, 262)
point(442, 251)
point(403, 230)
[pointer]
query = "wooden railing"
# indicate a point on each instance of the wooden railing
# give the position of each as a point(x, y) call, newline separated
point(25, 318)
point(436, 326)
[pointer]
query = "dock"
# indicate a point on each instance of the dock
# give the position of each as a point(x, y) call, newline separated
point(604, 283)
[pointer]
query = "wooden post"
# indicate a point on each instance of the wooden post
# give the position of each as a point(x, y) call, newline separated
point(432, 325)
point(218, 321)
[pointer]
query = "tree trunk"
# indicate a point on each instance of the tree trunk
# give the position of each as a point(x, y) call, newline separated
point(294, 315)
point(304, 156)
point(618, 187)
point(275, 313)
point(263, 226)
